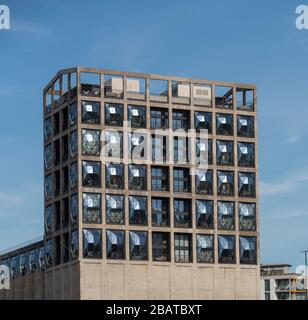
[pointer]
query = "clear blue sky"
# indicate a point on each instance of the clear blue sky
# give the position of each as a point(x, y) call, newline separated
point(243, 41)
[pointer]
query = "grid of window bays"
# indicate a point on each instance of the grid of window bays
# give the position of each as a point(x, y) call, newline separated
point(204, 210)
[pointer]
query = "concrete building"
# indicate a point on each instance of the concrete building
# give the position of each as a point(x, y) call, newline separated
point(279, 283)
point(151, 190)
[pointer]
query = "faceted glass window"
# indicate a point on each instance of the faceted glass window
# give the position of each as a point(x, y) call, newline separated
point(15, 266)
point(203, 121)
point(34, 260)
point(247, 216)
point(205, 248)
point(114, 144)
point(245, 99)
point(74, 245)
point(74, 208)
point(224, 97)
point(115, 209)
point(224, 153)
point(48, 188)
point(204, 151)
point(135, 88)
point(72, 115)
point(159, 118)
point(246, 184)
point(73, 144)
point(182, 213)
point(180, 120)
point(137, 145)
point(92, 243)
point(204, 181)
point(137, 116)
point(90, 112)
point(181, 180)
point(42, 258)
point(49, 253)
point(182, 247)
point(138, 210)
point(138, 245)
point(90, 143)
point(48, 157)
point(73, 175)
point(225, 183)
point(161, 246)
point(91, 174)
point(160, 212)
point(115, 244)
point(226, 249)
point(114, 176)
point(24, 264)
point(245, 126)
point(92, 208)
point(225, 215)
point(114, 114)
point(137, 177)
point(246, 154)
point(158, 90)
point(48, 129)
point(113, 86)
point(160, 178)
point(248, 250)
point(48, 219)
point(204, 214)
point(224, 124)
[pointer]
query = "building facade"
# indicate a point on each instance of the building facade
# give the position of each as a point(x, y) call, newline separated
point(279, 283)
point(151, 188)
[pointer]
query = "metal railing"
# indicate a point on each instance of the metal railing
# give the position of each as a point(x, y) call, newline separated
point(21, 245)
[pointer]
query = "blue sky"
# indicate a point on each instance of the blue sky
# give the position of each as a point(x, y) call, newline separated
point(243, 41)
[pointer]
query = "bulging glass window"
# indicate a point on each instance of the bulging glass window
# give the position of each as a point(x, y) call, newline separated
point(225, 213)
point(138, 243)
point(137, 177)
point(203, 120)
point(137, 145)
point(115, 209)
point(204, 214)
point(74, 208)
point(246, 154)
point(48, 157)
point(92, 243)
point(91, 208)
point(115, 244)
point(48, 219)
point(48, 129)
point(114, 176)
point(48, 188)
point(114, 144)
point(34, 260)
point(247, 216)
point(15, 266)
point(91, 174)
point(74, 244)
point(204, 151)
point(90, 143)
point(114, 114)
point(226, 249)
point(24, 264)
point(73, 144)
point(137, 116)
point(90, 112)
point(204, 181)
point(245, 126)
point(205, 248)
point(248, 250)
point(224, 124)
point(49, 253)
point(224, 151)
point(225, 183)
point(42, 258)
point(246, 184)
point(138, 210)
point(73, 175)
point(73, 114)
